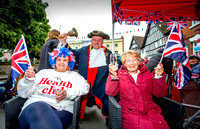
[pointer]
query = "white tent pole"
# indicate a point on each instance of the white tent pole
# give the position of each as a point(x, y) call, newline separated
point(113, 26)
point(60, 28)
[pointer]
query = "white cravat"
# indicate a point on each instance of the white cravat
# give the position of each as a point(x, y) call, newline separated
point(97, 58)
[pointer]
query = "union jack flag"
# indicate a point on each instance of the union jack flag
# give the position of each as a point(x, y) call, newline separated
point(175, 46)
point(194, 76)
point(118, 14)
point(20, 60)
point(149, 21)
point(153, 19)
point(137, 23)
point(175, 49)
point(181, 21)
point(183, 75)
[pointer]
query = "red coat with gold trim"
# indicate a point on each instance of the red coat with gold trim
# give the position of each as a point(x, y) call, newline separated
point(98, 88)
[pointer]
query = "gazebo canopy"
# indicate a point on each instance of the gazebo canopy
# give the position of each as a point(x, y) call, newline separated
point(143, 10)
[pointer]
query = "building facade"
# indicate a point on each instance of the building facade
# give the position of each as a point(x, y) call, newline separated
point(118, 44)
point(137, 43)
point(191, 34)
point(6, 55)
point(156, 38)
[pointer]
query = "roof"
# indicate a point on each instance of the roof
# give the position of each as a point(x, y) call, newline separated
point(139, 40)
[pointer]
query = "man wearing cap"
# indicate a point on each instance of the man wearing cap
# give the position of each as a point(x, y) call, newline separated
point(195, 67)
point(93, 61)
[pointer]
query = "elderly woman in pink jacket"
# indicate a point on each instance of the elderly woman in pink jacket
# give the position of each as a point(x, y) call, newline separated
point(135, 86)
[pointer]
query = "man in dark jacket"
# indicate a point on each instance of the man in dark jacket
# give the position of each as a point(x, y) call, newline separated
point(167, 62)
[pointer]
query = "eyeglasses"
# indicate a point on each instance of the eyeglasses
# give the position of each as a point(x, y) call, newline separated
point(97, 40)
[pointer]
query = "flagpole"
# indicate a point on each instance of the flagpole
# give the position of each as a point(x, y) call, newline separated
point(27, 51)
point(166, 43)
point(30, 79)
point(113, 36)
point(113, 25)
point(60, 28)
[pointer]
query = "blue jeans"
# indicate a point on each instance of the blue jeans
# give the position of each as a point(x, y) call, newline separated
point(40, 115)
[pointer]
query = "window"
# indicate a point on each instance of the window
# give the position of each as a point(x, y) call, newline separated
point(195, 22)
point(107, 45)
point(196, 52)
point(116, 45)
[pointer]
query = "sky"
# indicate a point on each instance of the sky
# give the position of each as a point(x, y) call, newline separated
point(86, 16)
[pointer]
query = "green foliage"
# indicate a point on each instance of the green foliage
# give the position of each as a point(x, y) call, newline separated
point(27, 17)
point(1, 53)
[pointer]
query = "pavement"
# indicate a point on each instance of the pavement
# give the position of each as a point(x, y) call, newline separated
point(93, 119)
point(2, 118)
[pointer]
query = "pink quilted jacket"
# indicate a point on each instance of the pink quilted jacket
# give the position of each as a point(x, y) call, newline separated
point(138, 108)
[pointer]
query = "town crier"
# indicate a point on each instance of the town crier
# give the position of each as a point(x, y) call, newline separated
point(93, 61)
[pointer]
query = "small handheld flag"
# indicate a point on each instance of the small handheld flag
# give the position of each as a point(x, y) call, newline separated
point(20, 60)
point(175, 49)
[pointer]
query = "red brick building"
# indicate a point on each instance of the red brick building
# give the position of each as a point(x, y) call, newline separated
point(191, 34)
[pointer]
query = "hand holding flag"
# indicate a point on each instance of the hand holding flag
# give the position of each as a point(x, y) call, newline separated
point(159, 69)
point(30, 73)
point(20, 60)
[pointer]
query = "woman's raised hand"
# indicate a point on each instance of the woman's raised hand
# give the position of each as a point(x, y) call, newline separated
point(63, 38)
point(113, 68)
point(159, 69)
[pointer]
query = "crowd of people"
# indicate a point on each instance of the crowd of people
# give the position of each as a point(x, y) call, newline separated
point(52, 89)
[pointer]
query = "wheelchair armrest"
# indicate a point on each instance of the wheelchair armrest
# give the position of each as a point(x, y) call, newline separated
point(115, 114)
point(12, 110)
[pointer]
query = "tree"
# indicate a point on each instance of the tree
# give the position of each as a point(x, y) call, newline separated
point(27, 17)
point(1, 53)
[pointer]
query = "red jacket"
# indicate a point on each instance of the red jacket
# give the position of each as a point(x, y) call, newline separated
point(138, 108)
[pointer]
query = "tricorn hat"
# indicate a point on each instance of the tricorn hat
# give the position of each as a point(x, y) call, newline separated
point(98, 33)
